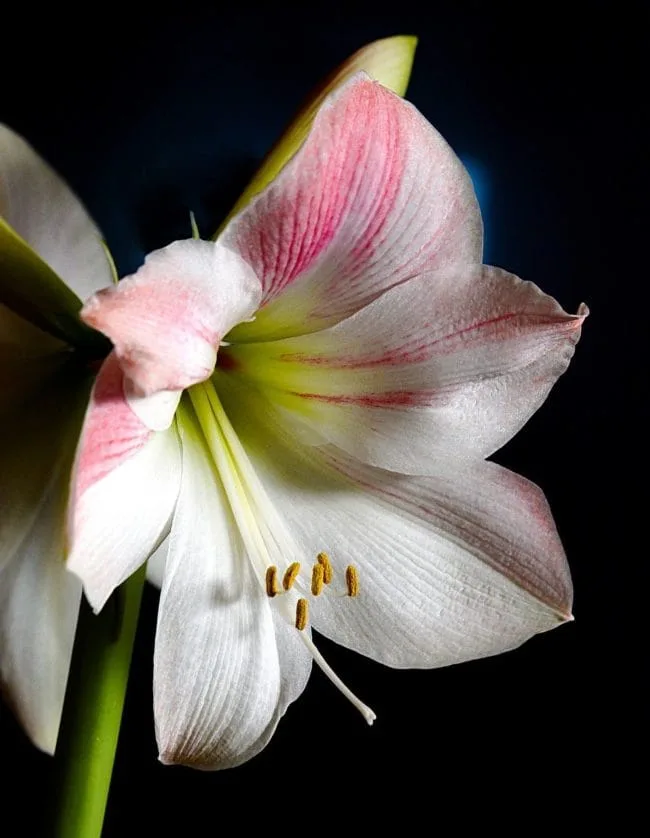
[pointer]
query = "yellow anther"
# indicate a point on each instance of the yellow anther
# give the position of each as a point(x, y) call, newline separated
point(352, 580)
point(324, 560)
point(302, 613)
point(290, 575)
point(317, 578)
point(272, 581)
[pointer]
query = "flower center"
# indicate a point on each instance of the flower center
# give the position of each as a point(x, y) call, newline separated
point(274, 555)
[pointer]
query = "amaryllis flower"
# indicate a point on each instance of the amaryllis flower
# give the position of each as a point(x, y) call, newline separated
point(296, 419)
point(51, 257)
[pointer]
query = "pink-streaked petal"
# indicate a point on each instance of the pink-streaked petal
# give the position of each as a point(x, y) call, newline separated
point(124, 487)
point(388, 61)
point(374, 196)
point(224, 671)
point(167, 320)
point(112, 433)
point(42, 209)
point(39, 605)
point(462, 564)
point(445, 361)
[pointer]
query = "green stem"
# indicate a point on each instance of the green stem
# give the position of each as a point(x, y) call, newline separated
point(93, 710)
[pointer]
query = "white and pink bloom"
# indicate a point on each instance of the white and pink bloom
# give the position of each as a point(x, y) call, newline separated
point(52, 257)
point(294, 421)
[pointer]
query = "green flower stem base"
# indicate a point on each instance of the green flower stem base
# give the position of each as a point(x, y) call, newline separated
point(93, 711)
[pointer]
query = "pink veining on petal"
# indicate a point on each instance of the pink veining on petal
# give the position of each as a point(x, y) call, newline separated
point(112, 432)
point(542, 573)
point(418, 349)
point(374, 197)
point(345, 169)
point(393, 398)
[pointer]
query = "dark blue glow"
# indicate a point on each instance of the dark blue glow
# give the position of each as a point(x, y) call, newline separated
point(483, 187)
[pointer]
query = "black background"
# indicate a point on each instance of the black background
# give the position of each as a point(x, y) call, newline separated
point(150, 115)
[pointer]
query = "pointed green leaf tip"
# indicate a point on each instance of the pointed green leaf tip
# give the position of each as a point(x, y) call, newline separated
point(388, 61)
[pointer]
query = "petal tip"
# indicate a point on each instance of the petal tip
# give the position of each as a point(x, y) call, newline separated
point(169, 756)
point(94, 598)
point(46, 742)
point(165, 758)
point(410, 43)
point(91, 309)
point(562, 616)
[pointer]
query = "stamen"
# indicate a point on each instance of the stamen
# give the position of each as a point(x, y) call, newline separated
point(317, 578)
point(264, 532)
point(272, 581)
point(290, 575)
point(352, 580)
point(324, 560)
point(368, 714)
point(302, 612)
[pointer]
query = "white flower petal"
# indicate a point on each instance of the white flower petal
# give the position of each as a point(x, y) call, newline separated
point(39, 605)
point(43, 210)
point(457, 565)
point(448, 361)
point(295, 669)
point(453, 567)
point(156, 564)
point(218, 686)
point(124, 487)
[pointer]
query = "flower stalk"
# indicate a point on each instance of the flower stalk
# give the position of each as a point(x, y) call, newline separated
point(93, 710)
